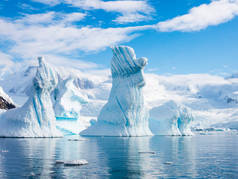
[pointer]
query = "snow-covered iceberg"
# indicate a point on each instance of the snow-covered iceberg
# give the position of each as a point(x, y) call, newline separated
point(67, 102)
point(170, 119)
point(125, 113)
point(36, 117)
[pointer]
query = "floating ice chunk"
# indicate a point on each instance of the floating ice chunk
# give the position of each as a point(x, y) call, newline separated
point(170, 119)
point(125, 113)
point(147, 152)
point(75, 162)
point(59, 162)
point(36, 117)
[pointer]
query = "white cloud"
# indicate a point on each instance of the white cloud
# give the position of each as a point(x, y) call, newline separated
point(131, 17)
point(31, 40)
point(66, 62)
point(123, 6)
point(201, 17)
point(73, 17)
point(130, 10)
point(52, 33)
point(50, 18)
point(49, 2)
point(43, 18)
point(5, 59)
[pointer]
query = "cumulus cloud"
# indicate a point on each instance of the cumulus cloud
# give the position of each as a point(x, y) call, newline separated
point(201, 17)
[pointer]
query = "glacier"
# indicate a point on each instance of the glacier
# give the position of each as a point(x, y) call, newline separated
point(36, 117)
point(125, 113)
point(170, 119)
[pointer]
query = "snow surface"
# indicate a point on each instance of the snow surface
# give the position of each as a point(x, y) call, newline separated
point(125, 113)
point(36, 117)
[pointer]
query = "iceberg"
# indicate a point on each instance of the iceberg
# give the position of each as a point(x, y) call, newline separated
point(124, 114)
point(67, 102)
point(36, 117)
point(170, 119)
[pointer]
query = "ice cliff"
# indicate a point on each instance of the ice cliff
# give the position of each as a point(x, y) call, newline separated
point(170, 119)
point(36, 117)
point(125, 113)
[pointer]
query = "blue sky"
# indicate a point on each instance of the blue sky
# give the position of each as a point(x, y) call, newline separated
point(177, 36)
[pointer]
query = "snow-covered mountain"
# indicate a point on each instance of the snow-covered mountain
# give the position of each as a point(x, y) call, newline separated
point(5, 101)
point(213, 100)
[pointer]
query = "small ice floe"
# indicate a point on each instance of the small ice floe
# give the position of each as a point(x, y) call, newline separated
point(149, 152)
point(76, 163)
point(72, 163)
point(168, 163)
point(76, 139)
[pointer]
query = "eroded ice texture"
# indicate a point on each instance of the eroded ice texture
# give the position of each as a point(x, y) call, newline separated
point(170, 119)
point(36, 117)
point(68, 101)
point(125, 113)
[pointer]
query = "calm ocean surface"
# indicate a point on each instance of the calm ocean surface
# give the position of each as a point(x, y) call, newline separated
point(199, 156)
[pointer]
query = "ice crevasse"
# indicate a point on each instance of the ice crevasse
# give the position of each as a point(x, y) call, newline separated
point(124, 114)
point(170, 119)
point(36, 118)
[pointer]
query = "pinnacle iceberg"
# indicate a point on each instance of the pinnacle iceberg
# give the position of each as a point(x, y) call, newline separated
point(36, 117)
point(170, 119)
point(125, 113)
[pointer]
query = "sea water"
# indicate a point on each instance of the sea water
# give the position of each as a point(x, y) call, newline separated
point(199, 156)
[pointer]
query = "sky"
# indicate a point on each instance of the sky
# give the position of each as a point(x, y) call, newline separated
point(177, 36)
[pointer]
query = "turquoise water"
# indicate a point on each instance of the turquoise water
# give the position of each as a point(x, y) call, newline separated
point(200, 156)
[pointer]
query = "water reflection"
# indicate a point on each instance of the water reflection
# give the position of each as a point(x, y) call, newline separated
point(121, 157)
point(149, 156)
point(26, 158)
point(175, 156)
